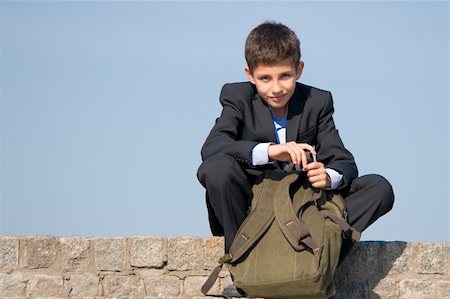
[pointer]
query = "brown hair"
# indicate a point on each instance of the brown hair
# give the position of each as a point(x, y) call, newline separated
point(271, 43)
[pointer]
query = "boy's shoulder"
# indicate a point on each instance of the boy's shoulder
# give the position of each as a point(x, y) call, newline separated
point(240, 88)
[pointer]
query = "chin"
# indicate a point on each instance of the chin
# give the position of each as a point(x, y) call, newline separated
point(279, 105)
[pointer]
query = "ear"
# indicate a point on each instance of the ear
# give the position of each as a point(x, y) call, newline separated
point(300, 67)
point(249, 74)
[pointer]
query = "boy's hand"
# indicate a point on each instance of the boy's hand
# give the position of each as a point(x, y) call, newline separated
point(291, 151)
point(317, 175)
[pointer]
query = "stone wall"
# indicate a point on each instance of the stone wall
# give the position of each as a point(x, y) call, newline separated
point(156, 267)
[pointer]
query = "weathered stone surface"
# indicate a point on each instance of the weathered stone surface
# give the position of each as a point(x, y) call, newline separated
point(416, 288)
point(443, 289)
point(83, 285)
point(118, 285)
point(225, 280)
point(110, 254)
point(395, 257)
point(185, 253)
point(385, 288)
point(214, 249)
point(39, 252)
point(193, 284)
point(432, 258)
point(41, 285)
point(121, 268)
point(147, 252)
point(224, 272)
point(163, 285)
point(9, 253)
point(362, 263)
point(75, 253)
point(354, 289)
point(12, 285)
point(149, 272)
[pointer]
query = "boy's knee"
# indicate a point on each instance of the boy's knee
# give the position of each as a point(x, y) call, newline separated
point(383, 188)
point(218, 168)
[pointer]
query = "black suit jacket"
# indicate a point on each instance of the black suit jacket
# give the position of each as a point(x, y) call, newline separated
point(246, 121)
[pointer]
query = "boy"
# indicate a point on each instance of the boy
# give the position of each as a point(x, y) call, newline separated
point(272, 120)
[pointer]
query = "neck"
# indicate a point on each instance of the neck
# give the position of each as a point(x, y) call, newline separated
point(279, 112)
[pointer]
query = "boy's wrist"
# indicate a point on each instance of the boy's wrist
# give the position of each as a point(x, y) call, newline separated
point(260, 154)
point(335, 178)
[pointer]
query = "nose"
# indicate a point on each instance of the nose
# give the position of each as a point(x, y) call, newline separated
point(276, 87)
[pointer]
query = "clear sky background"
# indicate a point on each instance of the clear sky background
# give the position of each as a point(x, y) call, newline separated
point(105, 106)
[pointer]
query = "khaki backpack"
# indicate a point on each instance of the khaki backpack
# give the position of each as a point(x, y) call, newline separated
point(289, 244)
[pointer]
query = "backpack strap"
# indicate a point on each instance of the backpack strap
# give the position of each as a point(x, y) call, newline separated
point(213, 277)
point(293, 228)
point(256, 223)
point(211, 281)
point(318, 199)
point(348, 230)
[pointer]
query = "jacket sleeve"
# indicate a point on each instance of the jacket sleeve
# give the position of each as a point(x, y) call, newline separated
point(330, 148)
point(225, 136)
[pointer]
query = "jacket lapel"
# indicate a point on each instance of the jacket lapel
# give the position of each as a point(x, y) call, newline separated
point(295, 110)
point(264, 117)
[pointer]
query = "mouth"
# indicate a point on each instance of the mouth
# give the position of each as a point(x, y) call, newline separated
point(277, 98)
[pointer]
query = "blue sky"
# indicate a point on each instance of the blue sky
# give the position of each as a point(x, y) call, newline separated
point(105, 105)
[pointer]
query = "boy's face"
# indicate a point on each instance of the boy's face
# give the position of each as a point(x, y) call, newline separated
point(276, 84)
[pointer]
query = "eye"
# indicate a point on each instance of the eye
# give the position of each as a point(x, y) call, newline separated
point(285, 76)
point(264, 78)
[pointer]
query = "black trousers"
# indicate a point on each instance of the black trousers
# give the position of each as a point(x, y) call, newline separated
point(229, 192)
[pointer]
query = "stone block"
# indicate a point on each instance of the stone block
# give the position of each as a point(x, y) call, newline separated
point(110, 254)
point(395, 257)
point(193, 284)
point(385, 288)
point(185, 253)
point(225, 272)
point(117, 285)
point(144, 272)
point(75, 254)
point(225, 280)
point(163, 286)
point(147, 252)
point(41, 285)
point(214, 249)
point(362, 263)
point(39, 252)
point(417, 288)
point(353, 289)
point(9, 253)
point(12, 285)
point(432, 258)
point(443, 289)
point(83, 285)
